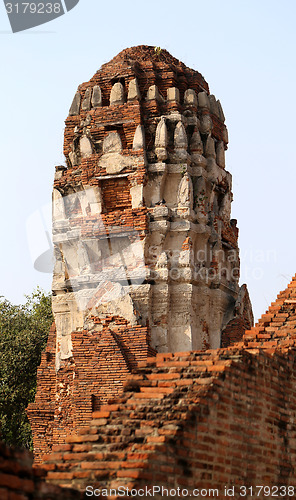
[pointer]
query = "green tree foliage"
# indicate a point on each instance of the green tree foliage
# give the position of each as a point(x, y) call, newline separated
point(23, 334)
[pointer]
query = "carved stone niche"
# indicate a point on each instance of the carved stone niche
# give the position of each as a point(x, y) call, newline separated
point(173, 94)
point(161, 140)
point(180, 142)
point(74, 155)
point(112, 143)
point(85, 147)
point(133, 90)
point(96, 99)
point(185, 192)
point(58, 207)
point(117, 95)
point(197, 150)
point(139, 138)
point(86, 103)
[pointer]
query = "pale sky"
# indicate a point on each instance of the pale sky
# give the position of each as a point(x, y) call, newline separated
point(246, 52)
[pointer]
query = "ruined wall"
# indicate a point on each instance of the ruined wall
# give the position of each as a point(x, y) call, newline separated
point(243, 317)
point(20, 481)
point(277, 328)
point(198, 420)
point(41, 412)
point(146, 255)
point(66, 398)
point(228, 421)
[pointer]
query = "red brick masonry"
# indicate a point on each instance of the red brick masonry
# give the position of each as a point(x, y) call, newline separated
point(20, 481)
point(196, 419)
point(206, 419)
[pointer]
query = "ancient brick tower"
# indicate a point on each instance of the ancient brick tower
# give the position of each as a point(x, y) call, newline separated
point(146, 253)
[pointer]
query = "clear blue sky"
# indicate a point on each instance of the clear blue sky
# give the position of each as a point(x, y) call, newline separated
point(246, 52)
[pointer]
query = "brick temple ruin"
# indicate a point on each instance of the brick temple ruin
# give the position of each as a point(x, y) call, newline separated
point(146, 253)
point(153, 372)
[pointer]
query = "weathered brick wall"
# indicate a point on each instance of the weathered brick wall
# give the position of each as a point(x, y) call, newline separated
point(233, 332)
point(96, 373)
point(19, 481)
point(105, 360)
point(192, 420)
point(116, 194)
point(42, 409)
point(277, 328)
point(243, 320)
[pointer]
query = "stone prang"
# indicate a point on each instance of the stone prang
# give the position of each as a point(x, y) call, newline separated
point(146, 252)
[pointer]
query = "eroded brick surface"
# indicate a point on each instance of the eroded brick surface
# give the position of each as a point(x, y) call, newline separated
point(193, 419)
point(19, 480)
point(276, 328)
